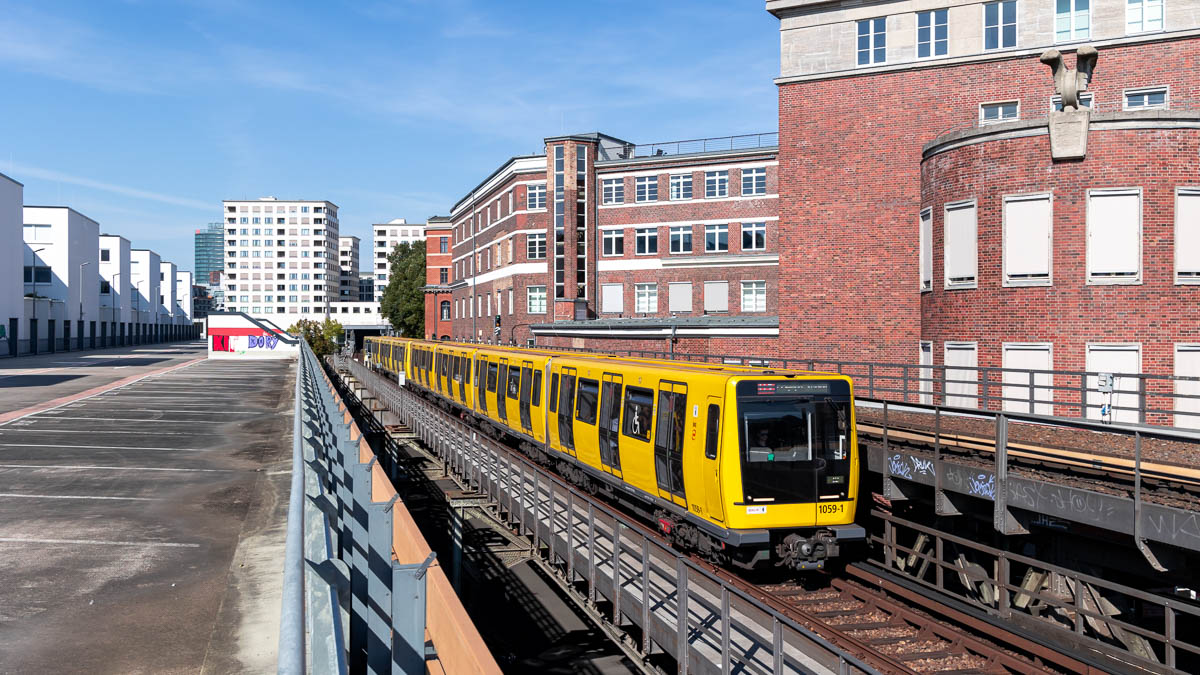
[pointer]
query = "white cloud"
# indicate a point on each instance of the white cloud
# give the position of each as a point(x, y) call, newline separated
point(23, 171)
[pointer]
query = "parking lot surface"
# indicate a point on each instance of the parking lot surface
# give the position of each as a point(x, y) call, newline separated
point(142, 528)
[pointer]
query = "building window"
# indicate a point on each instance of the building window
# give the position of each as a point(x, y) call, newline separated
point(1187, 236)
point(104, 255)
point(614, 191)
point(1143, 16)
point(932, 37)
point(36, 232)
point(105, 289)
point(926, 255)
point(443, 245)
point(536, 299)
point(647, 188)
point(612, 298)
point(872, 41)
point(1072, 20)
point(1145, 99)
point(990, 113)
point(613, 242)
point(961, 254)
point(645, 241)
point(535, 246)
point(754, 236)
point(1114, 243)
point(716, 238)
point(1085, 101)
point(681, 239)
point(445, 310)
point(679, 297)
point(645, 298)
point(716, 296)
point(754, 181)
point(1000, 24)
point(681, 186)
point(37, 274)
point(1027, 247)
point(443, 276)
point(535, 196)
point(754, 296)
point(716, 184)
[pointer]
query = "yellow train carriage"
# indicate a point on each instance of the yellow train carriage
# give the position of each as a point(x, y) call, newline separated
point(746, 464)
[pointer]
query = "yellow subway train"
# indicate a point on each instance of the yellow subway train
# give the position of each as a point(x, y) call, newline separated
point(747, 466)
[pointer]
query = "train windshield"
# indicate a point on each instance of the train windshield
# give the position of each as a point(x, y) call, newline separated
point(794, 450)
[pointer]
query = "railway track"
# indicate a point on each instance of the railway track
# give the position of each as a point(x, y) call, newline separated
point(892, 633)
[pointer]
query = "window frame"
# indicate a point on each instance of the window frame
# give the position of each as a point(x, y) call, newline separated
point(684, 181)
point(644, 186)
point(1000, 26)
point(627, 416)
point(932, 34)
point(608, 236)
point(1072, 15)
point(983, 106)
point(529, 294)
point(1006, 281)
point(680, 230)
point(1056, 101)
point(1165, 88)
point(755, 283)
point(532, 246)
point(650, 234)
point(1194, 192)
point(717, 229)
point(718, 181)
point(1135, 280)
point(1142, 5)
point(753, 174)
point(611, 189)
point(650, 291)
point(946, 208)
point(925, 249)
point(751, 228)
point(871, 35)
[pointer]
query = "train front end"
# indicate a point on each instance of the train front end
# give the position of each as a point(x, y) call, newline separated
point(798, 464)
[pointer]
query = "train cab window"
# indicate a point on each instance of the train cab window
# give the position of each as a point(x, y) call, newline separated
point(553, 392)
point(794, 450)
point(492, 371)
point(514, 383)
point(668, 442)
point(585, 406)
point(537, 388)
point(713, 438)
point(639, 403)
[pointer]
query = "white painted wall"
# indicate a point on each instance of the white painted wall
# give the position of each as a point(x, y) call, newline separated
point(183, 298)
point(11, 287)
point(116, 272)
point(143, 272)
point(166, 291)
point(71, 247)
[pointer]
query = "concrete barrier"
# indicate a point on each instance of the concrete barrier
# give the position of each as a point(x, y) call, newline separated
point(235, 335)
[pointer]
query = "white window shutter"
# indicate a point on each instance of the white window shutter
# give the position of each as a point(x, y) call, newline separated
point(1187, 364)
point(1027, 238)
point(926, 234)
point(961, 246)
point(962, 390)
point(716, 296)
point(1026, 391)
point(611, 298)
point(1114, 227)
point(679, 297)
point(1187, 232)
point(1117, 359)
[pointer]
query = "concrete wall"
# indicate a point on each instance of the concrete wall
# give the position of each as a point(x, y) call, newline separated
point(144, 270)
point(116, 272)
point(166, 292)
point(71, 248)
point(11, 289)
point(183, 298)
point(237, 336)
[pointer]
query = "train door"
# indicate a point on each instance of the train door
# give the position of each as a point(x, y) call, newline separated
point(609, 428)
point(713, 503)
point(566, 406)
point(502, 391)
point(526, 395)
point(464, 374)
point(492, 369)
point(669, 433)
point(481, 384)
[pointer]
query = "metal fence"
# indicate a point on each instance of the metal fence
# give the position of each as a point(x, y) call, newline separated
point(644, 581)
point(699, 145)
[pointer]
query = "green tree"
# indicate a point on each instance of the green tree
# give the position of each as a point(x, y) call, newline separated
point(323, 338)
point(403, 301)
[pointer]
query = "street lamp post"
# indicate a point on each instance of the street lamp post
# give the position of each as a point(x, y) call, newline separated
point(80, 292)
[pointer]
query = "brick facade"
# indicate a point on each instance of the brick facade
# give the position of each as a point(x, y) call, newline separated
point(438, 321)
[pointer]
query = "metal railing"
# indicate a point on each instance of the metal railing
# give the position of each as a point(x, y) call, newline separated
point(701, 145)
point(644, 581)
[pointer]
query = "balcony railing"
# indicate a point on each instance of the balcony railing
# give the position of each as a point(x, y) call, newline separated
point(702, 145)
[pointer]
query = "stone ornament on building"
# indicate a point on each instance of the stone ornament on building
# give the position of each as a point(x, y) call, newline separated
point(1069, 126)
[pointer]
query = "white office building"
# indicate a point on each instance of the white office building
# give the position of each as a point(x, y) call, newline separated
point(144, 269)
point(61, 270)
point(348, 261)
point(387, 236)
point(116, 306)
point(12, 197)
point(279, 258)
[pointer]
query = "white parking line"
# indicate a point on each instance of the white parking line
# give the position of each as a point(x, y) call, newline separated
point(94, 542)
point(13, 430)
point(94, 447)
point(86, 467)
point(119, 499)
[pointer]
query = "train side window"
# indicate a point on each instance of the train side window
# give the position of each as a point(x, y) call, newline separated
point(553, 392)
point(514, 383)
point(492, 371)
point(714, 428)
point(537, 388)
point(585, 406)
point(639, 404)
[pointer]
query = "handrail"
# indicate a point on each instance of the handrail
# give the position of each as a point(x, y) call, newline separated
point(291, 620)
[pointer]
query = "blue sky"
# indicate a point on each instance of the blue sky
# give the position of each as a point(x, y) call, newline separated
point(145, 114)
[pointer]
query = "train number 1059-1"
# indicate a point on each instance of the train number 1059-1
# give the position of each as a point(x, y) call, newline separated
point(830, 508)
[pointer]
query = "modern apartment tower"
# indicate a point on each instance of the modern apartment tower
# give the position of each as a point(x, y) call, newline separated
point(210, 254)
point(348, 257)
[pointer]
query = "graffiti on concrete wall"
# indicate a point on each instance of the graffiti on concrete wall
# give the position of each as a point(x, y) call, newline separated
point(241, 344)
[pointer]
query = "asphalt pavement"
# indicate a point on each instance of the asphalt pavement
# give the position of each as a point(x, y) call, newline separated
point(142, 528)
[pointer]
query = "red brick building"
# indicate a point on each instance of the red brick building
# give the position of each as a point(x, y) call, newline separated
point(438, 321)
point(638, 246)
point(899, 122)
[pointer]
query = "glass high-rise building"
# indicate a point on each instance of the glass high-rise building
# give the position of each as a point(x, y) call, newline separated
point(210, 254)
